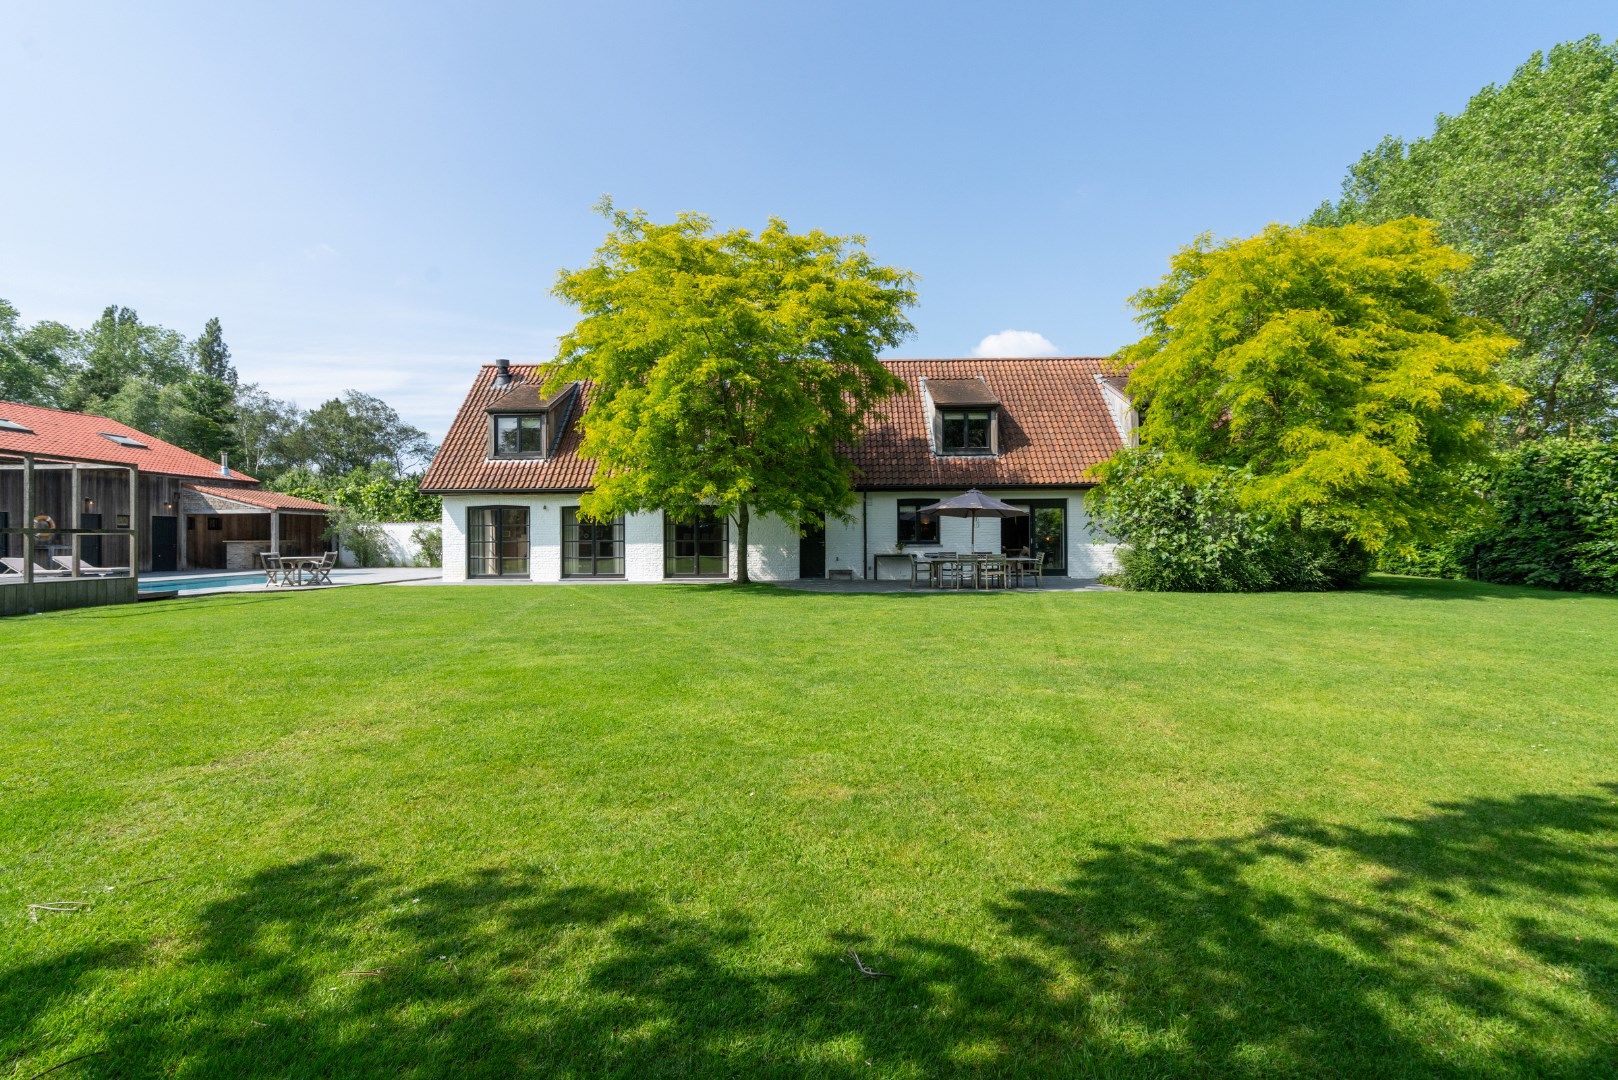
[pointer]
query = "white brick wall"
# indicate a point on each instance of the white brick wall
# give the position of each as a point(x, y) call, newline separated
point(772, 549)
point(843, 543)
point(454, 521)
point(643, 547)
point(773, 544)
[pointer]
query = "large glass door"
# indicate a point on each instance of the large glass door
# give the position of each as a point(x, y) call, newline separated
point(497, 541)
point(1043, 531)
point(591, 548)
point(696, 548)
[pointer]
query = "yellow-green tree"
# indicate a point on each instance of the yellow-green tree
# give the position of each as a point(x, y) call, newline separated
point(729, 371)
point(1326, 367)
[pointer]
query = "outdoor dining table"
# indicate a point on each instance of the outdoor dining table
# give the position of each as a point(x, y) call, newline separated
point(294, 566)
point(933, 564)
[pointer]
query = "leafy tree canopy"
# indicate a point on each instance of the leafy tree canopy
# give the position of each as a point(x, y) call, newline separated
point(730, 370)
point(34, 361)
point(188, 393)
point(1525, 180)
point(1330, 367)
point(373, 494)
point(358, 431)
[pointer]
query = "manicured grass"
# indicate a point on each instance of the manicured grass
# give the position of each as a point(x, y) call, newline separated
point(636, 831)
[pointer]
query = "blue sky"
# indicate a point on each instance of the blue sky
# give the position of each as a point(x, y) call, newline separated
point(379, 196)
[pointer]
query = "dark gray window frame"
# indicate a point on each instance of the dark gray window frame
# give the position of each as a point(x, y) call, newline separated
point(544, 424)
point(476, 545)
point(571, 538)
point(916, 524)
point(671, 540)
point(990, 418)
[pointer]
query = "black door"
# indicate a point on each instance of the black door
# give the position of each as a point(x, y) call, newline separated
point(812, 551)
point(90, 546)
point(1015, 535)
point(165, 543)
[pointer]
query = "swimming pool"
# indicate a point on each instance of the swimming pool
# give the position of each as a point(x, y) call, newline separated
point(223, 581)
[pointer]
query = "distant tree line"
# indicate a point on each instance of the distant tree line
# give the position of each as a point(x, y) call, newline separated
point(187, 392)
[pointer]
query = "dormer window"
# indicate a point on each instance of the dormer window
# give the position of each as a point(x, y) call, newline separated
point(963, 417)
point(523, 423)
point(965, 432)
point(519, 436)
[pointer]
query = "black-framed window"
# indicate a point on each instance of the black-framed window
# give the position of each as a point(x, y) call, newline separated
point(699, 548)
point(914, 526)
point(965, 431)
point(519, 436)
point(497, 541)
point(591, 548)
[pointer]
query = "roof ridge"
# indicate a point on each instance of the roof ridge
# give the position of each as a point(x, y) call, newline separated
point(69, 412)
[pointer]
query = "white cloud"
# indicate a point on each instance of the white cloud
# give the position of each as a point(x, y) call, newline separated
point(1016, 343)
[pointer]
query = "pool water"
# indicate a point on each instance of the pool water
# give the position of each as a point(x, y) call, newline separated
point(224, 581)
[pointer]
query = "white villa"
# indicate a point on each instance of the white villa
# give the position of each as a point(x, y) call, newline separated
point(1026, 431)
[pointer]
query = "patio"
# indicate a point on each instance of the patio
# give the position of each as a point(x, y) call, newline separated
point(882, 585)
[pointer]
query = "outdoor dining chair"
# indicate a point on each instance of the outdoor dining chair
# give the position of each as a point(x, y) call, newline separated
point(990, 569)
point(274, 573)
point(322, 569)
point(932, 563)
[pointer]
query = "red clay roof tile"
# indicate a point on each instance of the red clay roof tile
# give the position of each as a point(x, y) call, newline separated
point(268, 500)
point(82, 437)
point(1054, 428)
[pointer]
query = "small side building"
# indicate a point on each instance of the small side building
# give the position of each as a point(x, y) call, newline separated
point(88, 505)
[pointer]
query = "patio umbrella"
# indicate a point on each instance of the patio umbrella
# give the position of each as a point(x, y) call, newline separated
point(973, 504)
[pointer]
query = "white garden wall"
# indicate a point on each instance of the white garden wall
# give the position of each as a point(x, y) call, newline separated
point(402, 549)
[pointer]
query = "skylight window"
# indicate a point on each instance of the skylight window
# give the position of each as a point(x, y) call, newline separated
point(12, 425)
point(124, 440)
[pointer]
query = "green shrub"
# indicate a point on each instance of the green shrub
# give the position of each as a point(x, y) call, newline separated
point(374, 494)
point(1180, 535)
point(430, 540)
point(363, 539)
point(1555, 524)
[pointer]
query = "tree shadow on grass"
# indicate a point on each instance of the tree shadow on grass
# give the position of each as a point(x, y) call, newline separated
point(1479, 938)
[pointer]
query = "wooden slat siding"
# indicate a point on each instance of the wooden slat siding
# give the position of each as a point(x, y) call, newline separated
point(61, 593)
point(110, 489)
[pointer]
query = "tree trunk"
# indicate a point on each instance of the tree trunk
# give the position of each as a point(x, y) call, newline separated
point(741, 545)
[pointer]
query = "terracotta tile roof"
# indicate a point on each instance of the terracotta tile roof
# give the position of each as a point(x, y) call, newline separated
point(463, 463)
point(82, 437)
point(1054, 427)
point(269, 500)
point(525, 397)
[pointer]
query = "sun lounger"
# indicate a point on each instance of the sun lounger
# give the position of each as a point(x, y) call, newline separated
point(15, 566)
point(90, 569)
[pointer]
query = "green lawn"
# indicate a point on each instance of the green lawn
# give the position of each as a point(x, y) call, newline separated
point(636, 830)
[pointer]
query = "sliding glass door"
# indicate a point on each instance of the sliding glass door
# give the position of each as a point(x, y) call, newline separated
point(591, 548)
point(497, 541)
point(1043, 531)
point(698, 548)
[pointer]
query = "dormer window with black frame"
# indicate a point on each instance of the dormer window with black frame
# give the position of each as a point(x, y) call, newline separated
point(965, 432)
point(523, 424)
point(966, 417)
point(519, 436)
